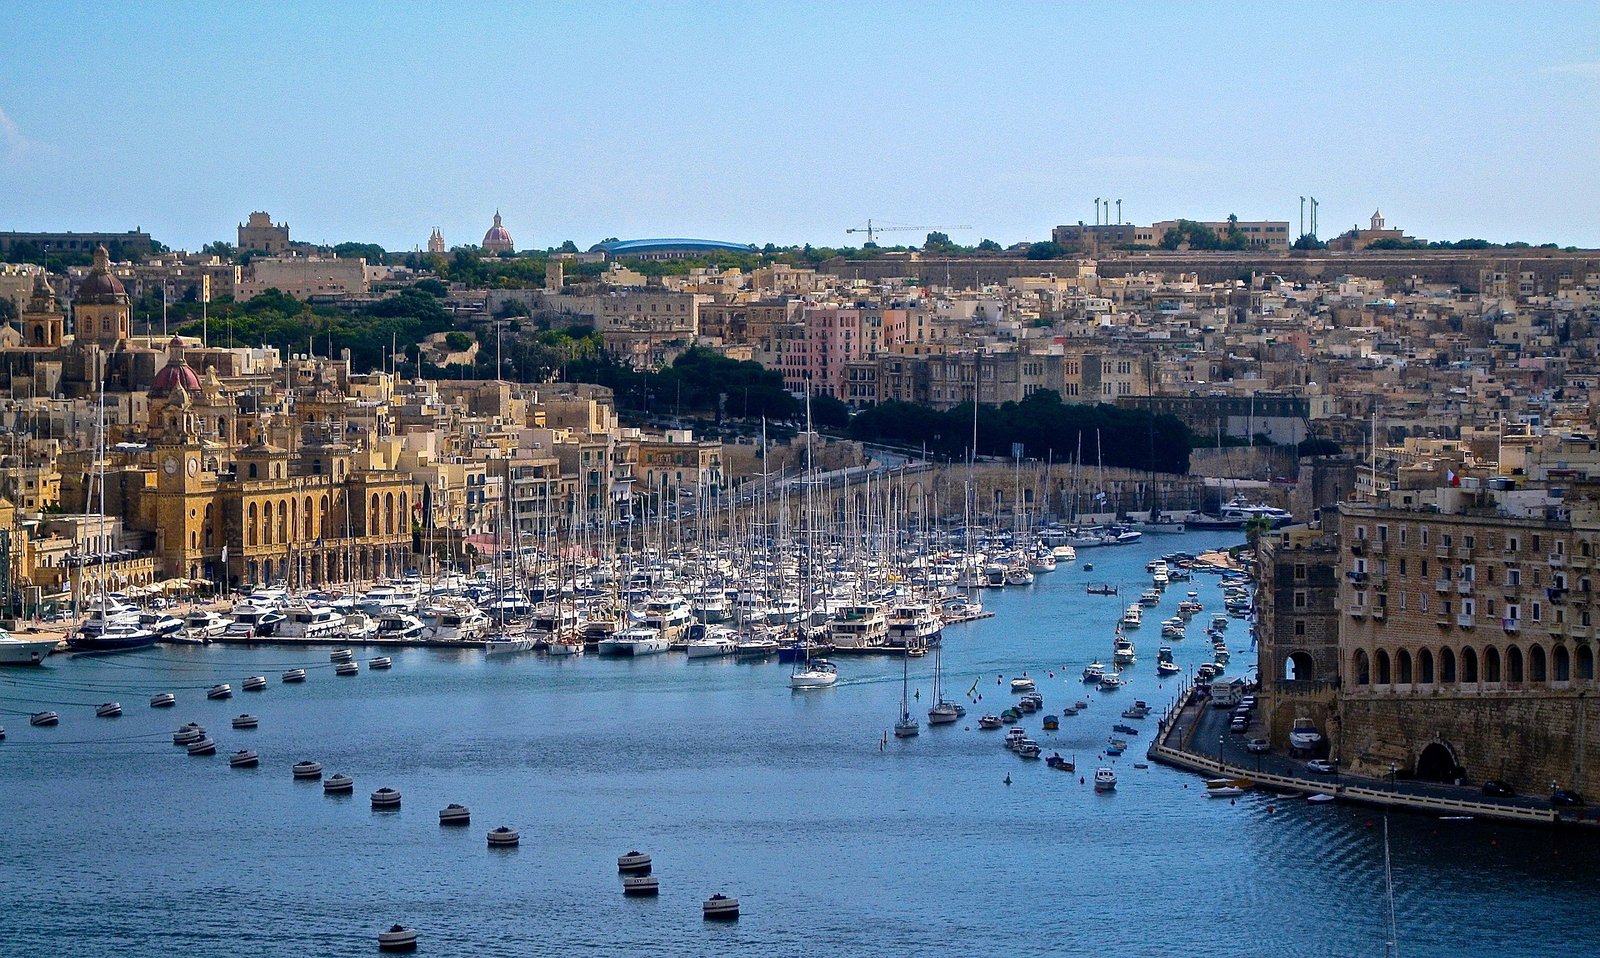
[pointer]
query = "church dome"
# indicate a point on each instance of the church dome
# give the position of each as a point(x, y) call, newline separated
point(498, 239)
point(100, 287)
point(175, 373)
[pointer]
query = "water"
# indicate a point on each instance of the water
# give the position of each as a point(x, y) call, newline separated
point(837, 843)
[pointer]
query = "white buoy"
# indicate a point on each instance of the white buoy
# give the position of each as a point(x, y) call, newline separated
point(634, 861)
point(307, 770)
point(454, 814)
point(503, 837)
point(386, 797)
point(720, 907)
point(397, 938)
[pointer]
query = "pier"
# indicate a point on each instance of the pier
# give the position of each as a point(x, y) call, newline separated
point(1183, 740)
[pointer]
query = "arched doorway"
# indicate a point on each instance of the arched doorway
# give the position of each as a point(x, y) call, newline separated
point(1402, 661)
point(1425, 667)
point(1513, 664)
point(1359, 665)
point(1300, 667)
point(1437, 763)
point(1585, 662)
point(1469, 665)
point(1491, 664)
point(1385, 677)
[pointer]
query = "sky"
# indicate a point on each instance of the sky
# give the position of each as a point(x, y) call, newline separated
point(789, 123)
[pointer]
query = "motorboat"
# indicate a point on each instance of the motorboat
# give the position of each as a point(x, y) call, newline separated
point(455, 814)
point(1023, 684)
point(245, 721)
point(310, 620)
point(222, 690)
point(636, 641)
point(1050, 723)
point(347, 668)
point(108, 710)
point(399, 626)
point(641, 886)
point(1149, 597)
point(710, 606)
point(502, 642)
point(1225, 791)
point(1093, 672)
point(1303, 736)
point(454, 624)
point(255, 683)
point(1028, 749)
point(205, 746)
point(1044, 562)
point(668, 614)
point(720, 908)
point(244, 758)
point(714, 641)
point(1014, 736)
point(384, 797)
point(294, 675)
point(110, 636)
point(1234, 513)
point(206, 624)
point(1133, 617)
point(914, 625)
point(1167, 668)
point(1060, 764)
point(1019, 575)
point(503, 837)
point(1123, 653)
point(163, 700)
point(757, 647)
point(397, 938)
point(814, 674)
point(633, 862)
point(1105, 780)
point(162, 624)
point(989, 723)
point(262, 620)
point(14, 651)
point(307, 770)
point(859, 626)
point(1110, 682)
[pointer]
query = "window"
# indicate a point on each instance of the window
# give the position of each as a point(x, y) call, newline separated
point(1300, 571)
point(1299, 627)
point(1402, 566)
point(1536, 616)
point(1513, 577)
point(1299, 600)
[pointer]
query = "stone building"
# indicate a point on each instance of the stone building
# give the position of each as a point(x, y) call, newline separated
point(498, 239)
point(260, 235)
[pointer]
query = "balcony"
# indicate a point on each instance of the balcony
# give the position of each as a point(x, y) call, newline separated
point(1443, 621)
point(1442, 552)
point(1462, 552)
point(1442, 585)
point(1357, 579)
point(1558, 560)
point(1511, 625)
point(1465, 621)
point(1377, 613)
point(1378, 546)
point(1357, 611)
point(1556, 596)
point(1464, 586)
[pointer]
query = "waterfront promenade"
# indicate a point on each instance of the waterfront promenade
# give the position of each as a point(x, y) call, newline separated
point(1195, 737)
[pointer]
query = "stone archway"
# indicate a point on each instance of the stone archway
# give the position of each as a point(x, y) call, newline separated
point(1300, 667)
point(1437, 763)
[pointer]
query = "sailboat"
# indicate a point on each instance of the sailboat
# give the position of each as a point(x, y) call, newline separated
point(942, 712)
point(907, 727)
point(810, 673)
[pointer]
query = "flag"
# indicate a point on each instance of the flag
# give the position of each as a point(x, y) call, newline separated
point(224, 554)
point(1451, 477)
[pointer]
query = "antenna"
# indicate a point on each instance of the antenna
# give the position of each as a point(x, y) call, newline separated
point(1097, 211)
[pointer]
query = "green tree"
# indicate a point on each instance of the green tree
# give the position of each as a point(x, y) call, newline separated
point(1309, 241)
point(1049, 249)
point(221, 249)
point(1254, 528)
point(371, 252)
point(938, 243)
point(988, 246)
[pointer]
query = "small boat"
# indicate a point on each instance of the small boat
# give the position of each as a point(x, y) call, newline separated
point(1060, 764)
point(1051, 723)
point(1028, 749)
point(397, 938)
point(1319, 798)
point(346, 668)
point(294, 675)
point(990, 722)
point(108, 710)
point(1093, 671)
point(380, 662)
point(1023, 684)
point(1304, 735)
point(1167, 667)
point(220, 691)
point(163, 700)
point(1105, 780)
point(244, 758)
point(205, 746)
point(1010, 716)
point(503, 837)
point(1225, 791)
point(641, 886)
point(720, 907)
point(44, 719)
point(1115, 750)
point(245, 721)
point(255, 683)
point(454, 814)
point(1028, 706)
point(1014, 737)
point(384, 797)
point(1110, 682)
point(634, 861)
point(307, 770)
point(340, 655)
point(1125, 729)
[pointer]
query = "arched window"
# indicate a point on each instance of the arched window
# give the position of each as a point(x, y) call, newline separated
point(1469, 665)
point(1447, 666)
point(1536, 664)
point(1425, 667)
point(207, 523)
point(1300, 667)
point(1513, 664)
point(252, 470)
point(266, 525)
point(322, 516)
point(388, 513)
point(372, 526)
point(1491, 664)
point(1560, 664)
point(1384, 675)
point(1402, 661)
point(309, 531)
point(283, 521)
point(1585, 662)
point(250, 527)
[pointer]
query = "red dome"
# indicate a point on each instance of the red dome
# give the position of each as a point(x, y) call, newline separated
point(175, 373)
point(100, 287)
point(498, 239)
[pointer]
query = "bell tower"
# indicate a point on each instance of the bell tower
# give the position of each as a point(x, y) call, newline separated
point(42, 322)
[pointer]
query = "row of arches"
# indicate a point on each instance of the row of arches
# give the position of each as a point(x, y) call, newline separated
point(1511, 667)
point(305, 520)
point(335, 565)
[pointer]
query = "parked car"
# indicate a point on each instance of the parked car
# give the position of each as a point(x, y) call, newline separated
point(1566, 798)
point(1238, 725)
point(1322, 765)
point(1258, 746)
point(1497, 788)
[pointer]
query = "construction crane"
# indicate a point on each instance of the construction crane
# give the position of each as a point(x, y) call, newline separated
point(872, 231)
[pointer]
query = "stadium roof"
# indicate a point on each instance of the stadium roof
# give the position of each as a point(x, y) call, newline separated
point(631, 247)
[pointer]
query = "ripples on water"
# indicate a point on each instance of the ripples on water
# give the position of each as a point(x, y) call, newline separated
point(836, 845)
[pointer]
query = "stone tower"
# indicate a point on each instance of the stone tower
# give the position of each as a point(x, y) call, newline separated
point(42, 322)
point(100, 309)
point(436, 241)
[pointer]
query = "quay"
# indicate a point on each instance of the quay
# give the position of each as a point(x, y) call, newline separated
point(1187, 730)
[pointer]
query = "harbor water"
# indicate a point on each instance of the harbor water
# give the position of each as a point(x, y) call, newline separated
point(839, 839)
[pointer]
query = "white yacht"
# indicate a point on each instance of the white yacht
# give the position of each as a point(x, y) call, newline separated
point(310, 620)
point(914, 625)
point(260, 620)
point(861, 626)
point(454, 623)
point(814, 674)
point(711, 642)
point(388, 597)
point(399, 625)
point(667, 614)
point(1133, 617)
point(15, 651)
point(206, 624)
point(710, 606)
point(1105, 780)
point(635, 641)
point(162, 624)
point(1093, 672)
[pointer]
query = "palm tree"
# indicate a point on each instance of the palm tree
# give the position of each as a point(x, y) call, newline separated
point(1254, 528)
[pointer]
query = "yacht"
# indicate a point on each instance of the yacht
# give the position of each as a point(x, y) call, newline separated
point(1023, 684)
point(1093, 671)
point(860, 626)
point(635, 641)
point(1105, 780)
point(1236, 512)
point(555, 622)
point(399, 625)
point(713, 641)
point(1133, 617)
point(162, 624)
point(260, 620)
point(914, 625)
point(667, 614)
point(310, 620)
point(1304, 737)
point(508, 606)
point(111, 636)
point(711, 607)
point(1019, 575)
point(1044, 562)
point(206, 624)
point(388, 597)
point(814, 674)
point(15, 651)
point(454, 623)
point(1110, 682)
point(757, 646)
point(1064, 553)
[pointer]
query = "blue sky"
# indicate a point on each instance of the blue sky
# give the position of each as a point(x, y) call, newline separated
point(789, 122)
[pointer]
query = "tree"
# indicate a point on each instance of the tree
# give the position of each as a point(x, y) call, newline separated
point(938, 243)
point(220, 249)
point(457, 342)
point(1046, 250)
point(8, 310)
point(1194, 235)
point(989, 246)
point(828, 411)
point(432, 287)
point(1309, 241)
point(1254, 528)
point(371, 252)
point(568, 246)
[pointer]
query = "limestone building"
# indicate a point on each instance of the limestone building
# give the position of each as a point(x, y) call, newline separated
point(259, 234)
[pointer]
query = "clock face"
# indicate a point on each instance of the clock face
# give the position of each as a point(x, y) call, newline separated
point(194, 467)
point(171, 465)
